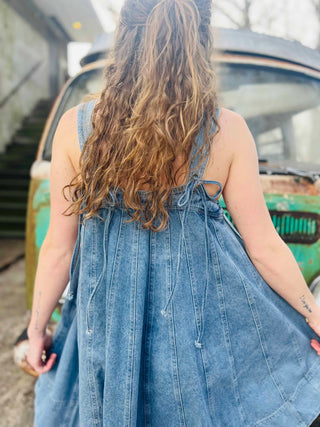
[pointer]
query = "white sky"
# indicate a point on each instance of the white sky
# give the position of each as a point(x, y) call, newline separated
point(76, 51)
point(292, 19)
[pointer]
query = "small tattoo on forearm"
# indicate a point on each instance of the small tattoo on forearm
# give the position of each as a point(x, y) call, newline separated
point(36, 326)
point(305, 305)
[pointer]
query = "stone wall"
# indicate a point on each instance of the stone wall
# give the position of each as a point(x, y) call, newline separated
point(24, 70)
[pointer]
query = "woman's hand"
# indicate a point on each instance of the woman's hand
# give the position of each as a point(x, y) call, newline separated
point(36, 357)
point(315, 325)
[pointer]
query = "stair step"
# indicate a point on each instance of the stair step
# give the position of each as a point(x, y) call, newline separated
point(28, 132)
point(26, 148)
point(14, 183)
point(16, 163)
point(35, 119)
point(32, 146)
point(35, 126)
point(16, 220)
point(18, 213)
point(12, 205)
point(17, 155)
point(12, 234)
point(15, 166)
point(13, 195)
point(12, 173)
point(24, 139)
point(41, 111)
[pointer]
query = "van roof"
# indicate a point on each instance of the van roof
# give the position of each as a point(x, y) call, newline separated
point(240, 41)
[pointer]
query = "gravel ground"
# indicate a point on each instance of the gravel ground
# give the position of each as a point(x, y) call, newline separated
point(16, 387)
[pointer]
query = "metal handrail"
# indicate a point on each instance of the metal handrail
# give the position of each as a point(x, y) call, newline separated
point(20, 84)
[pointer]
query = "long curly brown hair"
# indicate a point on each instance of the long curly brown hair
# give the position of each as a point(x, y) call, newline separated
point(160, 90)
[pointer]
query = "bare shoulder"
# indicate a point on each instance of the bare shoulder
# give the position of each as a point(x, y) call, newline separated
point(233, 140)
point(234, 136)
point(66, 136)
point(233, 127)
point(67, 125)
point(233, 133)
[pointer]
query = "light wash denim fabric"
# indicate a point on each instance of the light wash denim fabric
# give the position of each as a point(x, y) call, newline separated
point(175, 328)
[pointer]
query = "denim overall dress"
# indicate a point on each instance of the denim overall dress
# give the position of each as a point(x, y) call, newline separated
point(175, 328)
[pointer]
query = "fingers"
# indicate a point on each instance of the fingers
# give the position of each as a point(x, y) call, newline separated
point(315, 345)
point(42, 368)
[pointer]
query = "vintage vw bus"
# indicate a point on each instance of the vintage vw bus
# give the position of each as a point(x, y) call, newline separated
point(275, 85)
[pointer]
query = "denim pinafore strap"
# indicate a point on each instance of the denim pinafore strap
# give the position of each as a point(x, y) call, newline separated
point(195, 183)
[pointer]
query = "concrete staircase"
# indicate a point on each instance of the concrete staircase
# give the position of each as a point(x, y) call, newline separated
point(15, 165)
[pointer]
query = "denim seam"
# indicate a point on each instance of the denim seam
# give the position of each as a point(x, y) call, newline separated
point(296, 347)
point(256, 316)
point(74, 263)
point(132, 337)
point(97, 282)
point(259, 328)
point(226, 331)
point(174, 355)
point(260, 279)
point(195, 297)
point(196, 209)
point(93, 268)
point(217, 233)
point(292, 397)
point(271, 416)
point(311, 369)
point(231, 226)
point(238, 241)
point(148, 341)
point(175, 368)
point(195, 306)
point(90, 367)
point(111, 294)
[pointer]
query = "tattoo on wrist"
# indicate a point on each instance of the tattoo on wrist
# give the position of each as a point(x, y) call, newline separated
point(304, 303)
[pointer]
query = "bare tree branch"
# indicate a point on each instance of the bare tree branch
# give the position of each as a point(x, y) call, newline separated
point(316, 6)
point(244, 20)
point(246, 14)
point(227, 15)
point(235, 4)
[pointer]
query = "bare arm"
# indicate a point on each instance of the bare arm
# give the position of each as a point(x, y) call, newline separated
point(56, 251)
point(244, 199)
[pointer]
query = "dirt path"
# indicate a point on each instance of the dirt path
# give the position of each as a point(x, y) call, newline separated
point(16, 387)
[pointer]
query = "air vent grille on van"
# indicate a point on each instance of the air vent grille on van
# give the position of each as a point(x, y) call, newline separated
point(295, 227)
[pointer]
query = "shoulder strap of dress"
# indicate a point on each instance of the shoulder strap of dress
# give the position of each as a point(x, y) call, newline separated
point(84, 121)
point(199, 141)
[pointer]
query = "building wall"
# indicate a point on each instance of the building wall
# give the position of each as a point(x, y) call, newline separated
point(25, 69)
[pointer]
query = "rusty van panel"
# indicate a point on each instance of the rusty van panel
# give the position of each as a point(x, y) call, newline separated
point(284, 185)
